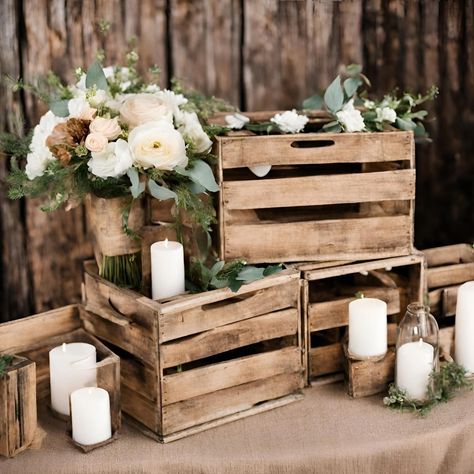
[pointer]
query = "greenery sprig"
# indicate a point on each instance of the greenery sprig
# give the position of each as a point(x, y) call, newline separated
point(443, 386)
point(5, 361)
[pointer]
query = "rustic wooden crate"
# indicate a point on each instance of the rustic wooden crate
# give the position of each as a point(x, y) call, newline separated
point(448, 268)
point(327, 293)
point(327, 197)
point(198, 361)
point(17, 407)
point(35, 336)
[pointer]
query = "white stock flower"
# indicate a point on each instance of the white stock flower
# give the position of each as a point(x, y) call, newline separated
point(159, 145)
point(138, 109)
point(98, 98)
point(236, 121)
point(40, 155)
point(110, 128)
point(80, 108)
point(192, 131)
point(290, 121)
point(385, 114)
point(96, 142)
point(151, 88)
point(350, 118)
point(112, 162)
point(172, 100)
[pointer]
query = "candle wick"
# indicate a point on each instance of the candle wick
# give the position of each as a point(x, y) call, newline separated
point(64, 347)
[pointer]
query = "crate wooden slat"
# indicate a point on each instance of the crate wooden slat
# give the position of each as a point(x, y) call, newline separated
point(18, 416)
point(327, 293)
point(448, 268)
point(33, 337)
point(327, 197)
point(197, 361)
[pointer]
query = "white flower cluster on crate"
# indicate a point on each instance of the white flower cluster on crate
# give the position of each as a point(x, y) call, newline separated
point(350, 118)
point(147, 128)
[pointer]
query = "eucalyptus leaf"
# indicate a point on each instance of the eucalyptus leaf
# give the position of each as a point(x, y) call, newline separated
point(272, 269)
point(250, 273)
point(405, 124)
point(59, 108)
point(351, 84)
point(136, 187)
point(332, 127)
point(353, 69)
point(235, 285)
point(201, 173)
point(95, 77)
point(334, 96)
point(160, 192)
point(217, 267)
point(196, 188)
point(315, 102)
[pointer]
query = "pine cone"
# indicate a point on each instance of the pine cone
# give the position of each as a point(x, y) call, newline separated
point(67, 136)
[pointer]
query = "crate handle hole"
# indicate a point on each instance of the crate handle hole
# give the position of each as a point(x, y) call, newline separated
point(312, 143)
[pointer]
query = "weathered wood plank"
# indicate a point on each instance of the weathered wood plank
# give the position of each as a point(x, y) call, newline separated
point(450, 275)
point(325, 360)
point(449, 255)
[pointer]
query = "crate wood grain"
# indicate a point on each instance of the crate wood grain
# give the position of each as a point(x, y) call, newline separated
point(33, 337)
point(196, 361)
point(448, 268)
point(18, 418)
point(328, 196)
point(327, 293)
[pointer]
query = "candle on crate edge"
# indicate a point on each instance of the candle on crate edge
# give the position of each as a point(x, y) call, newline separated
point(167, 269)
point(464, 327)
point(90, 416)
point(367, 328)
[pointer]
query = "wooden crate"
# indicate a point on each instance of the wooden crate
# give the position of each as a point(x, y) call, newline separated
point(328, 196)
point(198, 361)
point(17, 407)
point(35, 336)
point(327, 292)
point(448, 268)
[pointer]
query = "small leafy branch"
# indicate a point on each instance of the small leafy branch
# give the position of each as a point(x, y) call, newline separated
point(443, 386)
point(5, 361)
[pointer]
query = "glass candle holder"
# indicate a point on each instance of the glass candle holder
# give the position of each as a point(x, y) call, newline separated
point(417, 351)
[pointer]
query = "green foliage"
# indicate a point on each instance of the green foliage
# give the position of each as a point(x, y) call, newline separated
point(443, 386)
point(95, 77)
point(334, 96)
point(201, 173)
point(5, 361)
point(123, 270)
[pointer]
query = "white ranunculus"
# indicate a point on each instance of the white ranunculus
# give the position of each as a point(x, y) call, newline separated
point(96, 142)
point(350, 118)
point(157, 145)
point(110, 128)
point(40, 155)
point(113, 162)
point(138, 109)
point(385, 114)
point(236, 121)
point(290, 121)
point(192, 131)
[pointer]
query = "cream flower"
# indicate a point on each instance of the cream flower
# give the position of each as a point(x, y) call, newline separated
point(96, 142)
point(236, 121)
point(192, 131)
point(350, 118)
point(159, 145)
point(99, 97)
point(142, 108)
point(113, 161)
point(290, 121)
point(110, 128)
point(385, 114)
point(173, 101)
point(40, 155)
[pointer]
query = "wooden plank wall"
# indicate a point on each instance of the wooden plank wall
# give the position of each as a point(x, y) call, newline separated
point(259, 54)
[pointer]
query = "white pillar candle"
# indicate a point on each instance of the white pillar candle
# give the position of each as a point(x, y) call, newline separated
point(414, 365)
point(90, 416)
point(167, 269)
point(260, 170)
point(71, 366)
point(367, 327)
point(464, 328)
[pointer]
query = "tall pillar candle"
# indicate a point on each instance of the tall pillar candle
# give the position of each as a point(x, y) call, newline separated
point(71, 366)
point(90, 416)
point(413, 367)
point(367, 328)
point(167, 269)
point(464, 328)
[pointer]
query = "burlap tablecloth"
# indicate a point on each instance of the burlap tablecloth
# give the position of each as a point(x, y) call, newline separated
point(327, 432)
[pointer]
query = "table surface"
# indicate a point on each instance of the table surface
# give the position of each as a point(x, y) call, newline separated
point(326, 432)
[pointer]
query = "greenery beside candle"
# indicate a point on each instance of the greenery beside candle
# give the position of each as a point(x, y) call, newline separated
point(5, 361)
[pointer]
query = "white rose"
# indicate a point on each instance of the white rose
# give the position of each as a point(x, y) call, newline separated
point(40, 155)
point(96, 142)
point(350, 118)
point(110, 128)
point(290, 121)
point(142, 108)
point(112, 162)
point(236, 121)
point(159, 145)
point(192, 130)
point(385, 114)
point(79, 108)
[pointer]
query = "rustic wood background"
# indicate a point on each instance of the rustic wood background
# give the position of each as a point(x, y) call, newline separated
point(258, 54)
